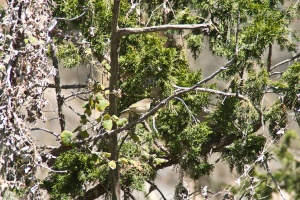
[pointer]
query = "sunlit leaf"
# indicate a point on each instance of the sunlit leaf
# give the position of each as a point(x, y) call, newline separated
point(112, 164)
point(108, 124)
point(106, 154)
point(102, 104)
point(122, 122)
point(123, 161)
point(66, 137)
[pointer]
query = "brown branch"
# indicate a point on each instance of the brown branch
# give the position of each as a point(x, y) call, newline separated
point(59, 97)
point(130, 31)
point(75, 86)
point(269, 61)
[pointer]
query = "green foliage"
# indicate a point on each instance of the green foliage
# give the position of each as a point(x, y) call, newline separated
point(148, 68)
point(195, 44)
point(256, 85)
point(69, 55)
point(80, 167)
point(277, 118)
point(289, 173)
point(289, 85)
point(243, 152)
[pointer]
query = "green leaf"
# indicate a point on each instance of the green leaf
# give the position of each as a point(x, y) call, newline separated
point(108, 124)
point(122, 122)
point(106, 154)
point(106, 117)
point(84, 134)
point(102, 105)
point(135, 138)
point(83, 119)
point(99, 97)
point(88, 111)
point(78, 128)
point(66, 137)
point(112, 164)
point(102, 87)
point(88, 51)
point(85, 105)
point(115, 118)
point(123, 161)
point(106, 92)
point(99, 119)
point(107, 66)
point(158, 161)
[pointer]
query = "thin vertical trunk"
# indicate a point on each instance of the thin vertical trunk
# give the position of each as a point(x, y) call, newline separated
point(114, 175)
point(59, 97)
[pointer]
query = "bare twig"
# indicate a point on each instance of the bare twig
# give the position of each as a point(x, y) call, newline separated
point(52, 170)
point(156, 188)
point(152, 14)
point(161, 147)
point(77, 113)
point(74, 18)
point(274, 180)
point(114, 174)
point(46, 130)
point(191, 113)
point(276, 73)
point(76, 94)
point(285, 61)
point(224, 94)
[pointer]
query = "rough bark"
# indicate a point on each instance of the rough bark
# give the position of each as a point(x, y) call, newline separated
point(114, 174)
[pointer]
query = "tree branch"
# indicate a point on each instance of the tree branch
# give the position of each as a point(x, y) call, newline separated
point(74, 18)
point(75, 86)
point(285, 61)
point(46, 130)
point(274, 180)
point(59, 97)
point(130, 31)
point(269, 61)
point(224, 94)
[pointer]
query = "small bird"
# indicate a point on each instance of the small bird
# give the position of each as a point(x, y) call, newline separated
point(139, 107)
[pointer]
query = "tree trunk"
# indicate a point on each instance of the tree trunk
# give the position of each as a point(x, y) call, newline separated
point(113, 142)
